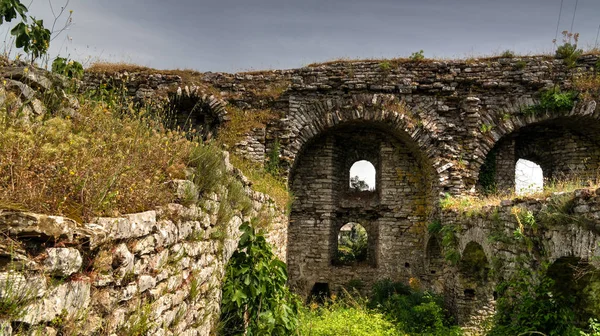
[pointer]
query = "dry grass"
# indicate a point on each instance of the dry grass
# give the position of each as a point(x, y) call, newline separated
point(100, 163)
point(588, 86)
point(241, 122)
point(108, 67)
point(188, 76)
point(474, 204)
point(263, 182)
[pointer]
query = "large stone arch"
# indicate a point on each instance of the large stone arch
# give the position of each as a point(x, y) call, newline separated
point(573, 241)
point(310, 118)
point(395, 214)
point(563, 144)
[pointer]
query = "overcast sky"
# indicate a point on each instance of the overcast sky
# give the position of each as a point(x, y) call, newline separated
point(237, 35)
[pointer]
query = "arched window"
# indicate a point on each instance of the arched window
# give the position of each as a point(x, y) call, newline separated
point(362, 176)
point(529, 177)
point(474, 264)
point(434, 256)
point(352, 244)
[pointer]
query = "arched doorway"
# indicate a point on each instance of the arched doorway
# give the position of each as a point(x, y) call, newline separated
point(401, 198)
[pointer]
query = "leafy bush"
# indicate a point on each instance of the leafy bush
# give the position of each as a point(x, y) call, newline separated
point(523, 307)
point(255, 293)
point(507, 54)
point(553, 100)
point(69, 68)
point(417, 56)
point(34, 38)
point(412, 310)
point(352, 245)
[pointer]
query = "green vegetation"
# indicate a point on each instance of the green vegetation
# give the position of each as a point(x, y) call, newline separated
point(417, 56)
point(347, 317)
point(140, 323)
point(352, 244)
point(393, 309)
point(553, 100)
point(568, 51)
point(273, 165)
point(507, 54)
point(385, 66)
point(255, 294)
point(66, 67)
point(15, 296)
point(486, 128)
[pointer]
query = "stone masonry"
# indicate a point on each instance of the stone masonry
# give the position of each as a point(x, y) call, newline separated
point(428, 128)
point(158, 271)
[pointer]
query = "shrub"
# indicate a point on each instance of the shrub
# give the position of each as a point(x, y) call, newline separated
point(525, 307)
point(385, 66)
point(254, 291)
point(352, 247)
point(417, 56)
point(508, 54)
point(568, 50)
point(553, 100)
point(69, 68)
point(412, 310)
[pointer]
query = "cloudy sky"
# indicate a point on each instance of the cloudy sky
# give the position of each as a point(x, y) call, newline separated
point(237, 35)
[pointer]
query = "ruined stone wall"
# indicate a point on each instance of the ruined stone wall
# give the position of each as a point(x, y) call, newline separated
point(158, 272)
point(493, 230)
point(455, 111)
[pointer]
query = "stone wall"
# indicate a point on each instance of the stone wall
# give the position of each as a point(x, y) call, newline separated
point(454, 111)
point(493, 230)
point(428, 127)
point(159, 271)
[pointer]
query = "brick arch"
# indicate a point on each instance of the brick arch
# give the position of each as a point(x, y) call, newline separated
point(394, 215)
point(475, 235)
point(582, 122)
point(381, 110)
point(577, 242)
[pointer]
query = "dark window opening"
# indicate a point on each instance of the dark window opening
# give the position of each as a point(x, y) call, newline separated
point(319, 293)
point(469, 293)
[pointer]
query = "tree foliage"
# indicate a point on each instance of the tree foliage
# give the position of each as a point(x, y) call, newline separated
point(356, 184)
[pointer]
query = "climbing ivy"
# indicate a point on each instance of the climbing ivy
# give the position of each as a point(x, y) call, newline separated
point(256, 300)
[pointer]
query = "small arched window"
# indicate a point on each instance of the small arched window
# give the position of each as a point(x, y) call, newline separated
point(362, 176)
point(529, 177)
point(352, 244)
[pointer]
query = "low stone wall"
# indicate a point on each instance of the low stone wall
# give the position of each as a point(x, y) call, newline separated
point(158, 271)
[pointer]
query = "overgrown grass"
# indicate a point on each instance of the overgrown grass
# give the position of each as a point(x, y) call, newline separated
point(264, 182)
point(393, 309)
point(101, 162)
point(344, 317)
point(241, 122)
point(472, 204)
